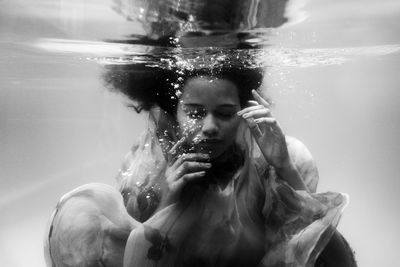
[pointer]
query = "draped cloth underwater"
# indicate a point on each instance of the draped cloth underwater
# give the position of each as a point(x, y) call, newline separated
point(253, 219)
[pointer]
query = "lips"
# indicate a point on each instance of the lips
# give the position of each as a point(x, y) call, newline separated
point(209, 146)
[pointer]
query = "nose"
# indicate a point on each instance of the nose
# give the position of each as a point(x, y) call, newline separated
point(210, 126)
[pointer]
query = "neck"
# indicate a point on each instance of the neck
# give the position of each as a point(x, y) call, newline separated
point(225, 166)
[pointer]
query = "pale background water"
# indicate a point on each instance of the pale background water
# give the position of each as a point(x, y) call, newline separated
point(60, 128)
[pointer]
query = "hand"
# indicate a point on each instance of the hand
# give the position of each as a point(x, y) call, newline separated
point(183, 168)
point(266, 131)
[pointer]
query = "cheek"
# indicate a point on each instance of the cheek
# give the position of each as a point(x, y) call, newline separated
point(188, 127)
point(230, 128)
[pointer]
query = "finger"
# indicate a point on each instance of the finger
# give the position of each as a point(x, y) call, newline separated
point(268, 120)
point(248, 109)
point(253, 103)
point(187, 178)
point(272, 123)
point(190, 167)
point(174, 150)
point(259, 113)
point(254, 129)
point(201, 157)
point(260, 99)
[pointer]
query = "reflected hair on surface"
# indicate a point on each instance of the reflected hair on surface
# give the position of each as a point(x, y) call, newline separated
point(149, 86)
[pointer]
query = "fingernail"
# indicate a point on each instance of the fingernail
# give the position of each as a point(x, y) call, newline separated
point(202, 173)
point(245, 115)
point(240, 113)
point(208, 165)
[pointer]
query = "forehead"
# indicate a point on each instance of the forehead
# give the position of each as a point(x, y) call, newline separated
point(210, 90)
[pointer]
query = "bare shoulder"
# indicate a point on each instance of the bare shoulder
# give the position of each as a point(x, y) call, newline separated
point(297, 148)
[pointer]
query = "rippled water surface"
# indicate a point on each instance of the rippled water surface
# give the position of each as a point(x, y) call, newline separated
point(332, 71)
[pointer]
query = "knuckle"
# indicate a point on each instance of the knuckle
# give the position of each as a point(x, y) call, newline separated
point(185, 165)
point(184, 157)
point(180, 171)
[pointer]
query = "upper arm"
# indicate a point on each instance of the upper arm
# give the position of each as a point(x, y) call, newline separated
point(139, 179)
point(304, 162)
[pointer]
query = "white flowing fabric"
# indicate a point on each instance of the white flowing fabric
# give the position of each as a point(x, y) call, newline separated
point(255, 220)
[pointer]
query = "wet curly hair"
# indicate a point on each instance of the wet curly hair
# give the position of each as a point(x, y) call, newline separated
point(149, 86)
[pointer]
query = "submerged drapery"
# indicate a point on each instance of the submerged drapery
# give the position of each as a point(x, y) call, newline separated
point(254, 219)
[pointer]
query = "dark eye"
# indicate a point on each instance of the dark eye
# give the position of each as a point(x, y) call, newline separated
point(195, 114)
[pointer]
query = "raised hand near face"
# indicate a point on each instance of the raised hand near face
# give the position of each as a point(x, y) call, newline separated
point(266, 131)
point(271, 139)
point(183, 168)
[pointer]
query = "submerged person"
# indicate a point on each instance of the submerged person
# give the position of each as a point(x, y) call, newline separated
point(213, 182)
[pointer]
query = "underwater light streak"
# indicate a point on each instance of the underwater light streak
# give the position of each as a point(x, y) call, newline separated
point(116, 53)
